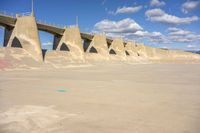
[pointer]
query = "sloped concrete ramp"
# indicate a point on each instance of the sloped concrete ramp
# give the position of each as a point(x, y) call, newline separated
point(61, 59)
point(17, 58)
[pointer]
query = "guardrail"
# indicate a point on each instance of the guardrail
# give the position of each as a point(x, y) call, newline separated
point(42, 21)
point(7, 14)
point(50, 24)
point(23, 14)
point(29, 14)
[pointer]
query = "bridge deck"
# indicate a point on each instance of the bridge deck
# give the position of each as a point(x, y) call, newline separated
point(9, 21)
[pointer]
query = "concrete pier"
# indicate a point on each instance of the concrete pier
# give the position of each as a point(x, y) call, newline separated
point(70, 41)
point(99, 43)
point(130, 47)
point(25, 35)
point(117, 48)
point(7, 33)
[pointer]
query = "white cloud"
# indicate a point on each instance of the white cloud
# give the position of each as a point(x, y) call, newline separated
point(157, 3)
point(47, 44)
point(158, 15)
point(141, 33)
point(151, 36)
point(127, 25)
point(128, 29)
point(125, 10)
point(128, 9)
point(148, 34)
point(177, 31)
point(189, 6)
point(183, 36)
point(191, 46)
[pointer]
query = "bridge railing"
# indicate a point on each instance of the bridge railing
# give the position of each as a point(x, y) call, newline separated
point(7, 14)
point(23, 14)
point(14, 15)
point(50, 24)
point(3, 13)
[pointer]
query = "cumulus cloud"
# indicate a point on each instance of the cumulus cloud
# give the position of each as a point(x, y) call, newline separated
point(146, 34)
point(189, 6)
point(158, 15)
point(127, 25)
point(157, 3)
point(125, 10)
point(177, 31)
point(128, 29)
point(181, 35)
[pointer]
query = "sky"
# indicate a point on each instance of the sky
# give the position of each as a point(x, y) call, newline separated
point(159, 23)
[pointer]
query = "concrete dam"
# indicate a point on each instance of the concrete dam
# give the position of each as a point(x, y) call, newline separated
point(22, 43)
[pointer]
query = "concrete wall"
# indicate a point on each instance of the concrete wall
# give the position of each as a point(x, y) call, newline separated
point(25, 33)
point(145, 51)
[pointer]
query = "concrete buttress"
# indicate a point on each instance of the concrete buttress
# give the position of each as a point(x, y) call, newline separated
point(131, 48)
point(100, 44)
point(117, 46)
point(71, 42)
point(25, 35)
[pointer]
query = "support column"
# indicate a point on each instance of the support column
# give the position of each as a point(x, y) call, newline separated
point(7, 34)
point(86, 45)
point(25, 35)
point(56, 41)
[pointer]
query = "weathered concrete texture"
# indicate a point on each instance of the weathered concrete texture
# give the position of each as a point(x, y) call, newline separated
point(130, 47)
point(94, 57)
point(117, 46)
point(163, 55)
point(98, 49)
point(61, 59)
point(150, 52)
point(177, 54)
point(100, 44)
point(25, 35)
point(71, 42)
point(132, 53)
point(16, 58)
point(144, 51)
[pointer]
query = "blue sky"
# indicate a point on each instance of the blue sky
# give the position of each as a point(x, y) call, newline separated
point(157, 23)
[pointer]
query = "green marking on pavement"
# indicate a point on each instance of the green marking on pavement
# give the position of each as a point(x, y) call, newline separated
point(61, 91)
